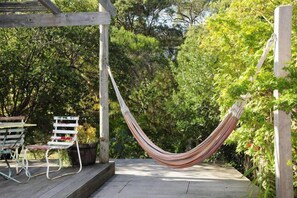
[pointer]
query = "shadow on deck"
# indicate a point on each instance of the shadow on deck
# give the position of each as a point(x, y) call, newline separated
point(77, 185)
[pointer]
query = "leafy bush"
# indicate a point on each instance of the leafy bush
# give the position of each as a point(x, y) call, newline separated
point(86, 134)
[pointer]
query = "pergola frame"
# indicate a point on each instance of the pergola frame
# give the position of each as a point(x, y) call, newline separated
point(57, 18)
point(12, 18)
point(282, 122)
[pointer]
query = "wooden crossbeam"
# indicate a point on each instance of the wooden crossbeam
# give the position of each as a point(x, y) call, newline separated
point(27, 6)
point(51, 6)
point(19, 4)
point(48, 20)
point(36, 9)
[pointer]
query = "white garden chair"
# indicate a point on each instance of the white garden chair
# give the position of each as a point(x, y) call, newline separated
point(64, 135)
point(11, 143)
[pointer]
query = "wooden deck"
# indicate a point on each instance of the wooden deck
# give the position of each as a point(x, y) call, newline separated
point(78, 185)
point(136, 178)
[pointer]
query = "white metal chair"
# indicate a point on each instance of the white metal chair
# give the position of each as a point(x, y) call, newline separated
point(64, 136)
point(11, 142)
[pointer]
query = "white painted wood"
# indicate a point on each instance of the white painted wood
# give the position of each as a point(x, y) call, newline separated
point(50, 20)
point(103, 92)
point(65, 124)
point(65, 131)
point(66, 117)
point(282, 120)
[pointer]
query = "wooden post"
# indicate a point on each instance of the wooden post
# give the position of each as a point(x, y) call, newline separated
point(103, 93)
point(282, 120)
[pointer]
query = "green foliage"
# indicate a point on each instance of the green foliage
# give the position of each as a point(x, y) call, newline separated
point(149, 18)
point(193, 105)
point(190, 12)
point(77, 5)
point(141, 17)
point(86, 134)
point(142, 56)
point(47, 72)
point(122, 143)
point(145, 81)
point(233, 39)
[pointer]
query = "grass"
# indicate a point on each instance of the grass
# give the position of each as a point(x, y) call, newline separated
point(40, 156)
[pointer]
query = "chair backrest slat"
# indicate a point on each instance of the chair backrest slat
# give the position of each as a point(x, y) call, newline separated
point(10, 137)
point(66, 118)
point(11, 130)
point(65, 131)
point(60, 143)
point(14, 118)
point(13, 135)
point(71, 125)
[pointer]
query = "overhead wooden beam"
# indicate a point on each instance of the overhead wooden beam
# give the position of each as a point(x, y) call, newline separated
point(51, 6)
point(109, 7)
point(48, 20)
point(27, 6)
point(19, 4)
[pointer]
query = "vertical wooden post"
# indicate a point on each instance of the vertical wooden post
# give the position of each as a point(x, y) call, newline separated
point(282, 120)
point(103, 92)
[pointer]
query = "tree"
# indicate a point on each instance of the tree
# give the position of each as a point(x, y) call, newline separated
point(193, 104)
point(149, 18)
point(234, 38)
point(190, 13)
point(49, 71)
point(141, 17)
point(145, 80)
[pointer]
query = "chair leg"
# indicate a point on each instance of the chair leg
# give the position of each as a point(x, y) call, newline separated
point(60, 159)
point(47, 163)
point(8, 176)
point(16, 158)
point(25, 159)
point(25, 163)
point(17, 162)
point(60, 164)
point(22, 162)
point(79, 157)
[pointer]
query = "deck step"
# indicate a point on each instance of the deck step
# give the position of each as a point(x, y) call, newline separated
point(74, 186)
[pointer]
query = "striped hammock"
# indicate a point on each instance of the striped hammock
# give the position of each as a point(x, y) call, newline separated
point(181, 160)
point(202, 151)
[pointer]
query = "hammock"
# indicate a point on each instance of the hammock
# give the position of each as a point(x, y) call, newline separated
point(192, 157)
point(202, 151)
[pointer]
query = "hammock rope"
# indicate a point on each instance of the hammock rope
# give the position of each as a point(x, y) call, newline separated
point(202, 151)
